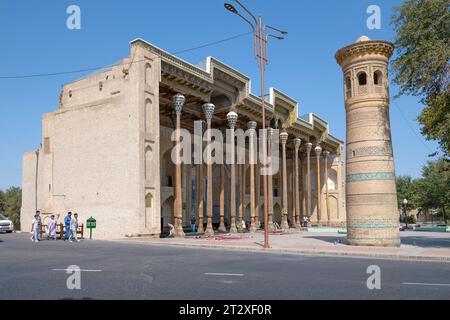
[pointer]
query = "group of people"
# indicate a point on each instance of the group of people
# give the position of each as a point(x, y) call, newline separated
point(70, 226)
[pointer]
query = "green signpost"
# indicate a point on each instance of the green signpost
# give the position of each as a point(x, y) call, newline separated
point(91, 223)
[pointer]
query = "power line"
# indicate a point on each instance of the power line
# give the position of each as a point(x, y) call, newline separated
point(119, 64)
point(410, 127)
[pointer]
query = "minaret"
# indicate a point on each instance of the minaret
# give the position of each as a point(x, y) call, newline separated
point(372, 216)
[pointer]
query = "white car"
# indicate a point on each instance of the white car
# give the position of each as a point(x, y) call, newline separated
point(6, 225)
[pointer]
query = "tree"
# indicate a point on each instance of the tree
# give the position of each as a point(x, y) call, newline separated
point(404, 190)
point(10, 203)
point(433, 190)
point(421, 66)
point(2, 201)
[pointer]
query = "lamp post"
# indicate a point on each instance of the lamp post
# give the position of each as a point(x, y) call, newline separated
point(260, 50)
point(405, 219)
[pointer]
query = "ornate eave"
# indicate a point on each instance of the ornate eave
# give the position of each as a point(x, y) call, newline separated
point(384, 48)
point(217, 77)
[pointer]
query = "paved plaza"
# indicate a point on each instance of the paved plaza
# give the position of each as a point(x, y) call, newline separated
point(132, 270)
point(415, 245)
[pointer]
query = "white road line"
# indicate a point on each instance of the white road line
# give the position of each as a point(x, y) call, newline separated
point(427, 284)
point(225, 274)
point(83, 270)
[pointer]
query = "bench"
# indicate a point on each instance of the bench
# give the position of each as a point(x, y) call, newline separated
point(60, 231)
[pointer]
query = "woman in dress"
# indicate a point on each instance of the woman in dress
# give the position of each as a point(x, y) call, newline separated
point(51, 227)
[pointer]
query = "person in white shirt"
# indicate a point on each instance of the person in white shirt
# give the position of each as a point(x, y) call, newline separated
point(74, 227)
point(51, 225)
point(36, 227)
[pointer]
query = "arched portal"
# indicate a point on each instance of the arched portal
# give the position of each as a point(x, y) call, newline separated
point(277, 213)
point(167, 212)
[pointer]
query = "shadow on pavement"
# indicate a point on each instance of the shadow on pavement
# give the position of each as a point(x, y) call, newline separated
point(329, 239)
point(417, 241)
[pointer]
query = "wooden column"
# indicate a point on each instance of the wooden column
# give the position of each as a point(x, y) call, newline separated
point(201, 185)
point(318, 151)
point(270, 177)
point(284, 213)
point(252, 126)
point(222, 198)
point(208, 109)
point(308, 178)
point(326, 155)
point(232, 118)
point(240, 197)
point(297, 143)
point(178, 101)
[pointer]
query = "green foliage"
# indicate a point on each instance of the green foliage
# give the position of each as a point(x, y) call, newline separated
point(410, 219)
point(404, 191)
point(421, 66)
point(432, 191)
point(10, 203)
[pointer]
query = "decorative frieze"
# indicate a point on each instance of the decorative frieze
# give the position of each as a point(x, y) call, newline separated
point(370, 151)
point(358, 177)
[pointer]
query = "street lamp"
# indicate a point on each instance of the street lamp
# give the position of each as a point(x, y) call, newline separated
point(260, 50)
point(405, 202)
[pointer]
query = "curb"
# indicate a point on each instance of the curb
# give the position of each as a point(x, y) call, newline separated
point(386, 256)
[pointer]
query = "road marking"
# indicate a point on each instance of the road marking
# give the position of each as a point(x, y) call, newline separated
point(427, 284)
point(84, 270)
point(225, 274)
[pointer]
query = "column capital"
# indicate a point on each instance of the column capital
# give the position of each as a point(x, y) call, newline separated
point(232, 119)
point(297, 143)
point(251, 125)
point(318, 150)
point(326, 154)
point(208, 109)
point(178, 101)
point(308, 147)
point(283, 137)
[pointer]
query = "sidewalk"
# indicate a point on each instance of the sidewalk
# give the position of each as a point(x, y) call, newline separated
point(426, 246)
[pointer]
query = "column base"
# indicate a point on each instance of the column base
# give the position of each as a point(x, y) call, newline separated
point(233, 228)
point(179, 233)
point(200, 230)
point(284, 223)
point(209, 231)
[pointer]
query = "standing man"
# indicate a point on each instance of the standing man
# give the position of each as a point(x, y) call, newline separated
point(74, 227)
point(193, 220)
point(36, 227)
point(67, 220)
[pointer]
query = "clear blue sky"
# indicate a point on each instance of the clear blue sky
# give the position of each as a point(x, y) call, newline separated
point(34, 39)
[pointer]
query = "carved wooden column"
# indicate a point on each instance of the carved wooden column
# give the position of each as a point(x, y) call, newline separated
point(200, 187)
point(270, 177)
point(302, 191)
point(208, 109)
point(257, 193)
point(297, 222)
point(284, 214)
point(232, 119)
point(251, 149)
point(222, 199)
point(326, 155)
point(178, 101)
point(308, 177)
point(318, 151)
point(240, 197)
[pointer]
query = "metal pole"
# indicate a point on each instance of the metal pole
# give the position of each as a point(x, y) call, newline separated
point(261, 46)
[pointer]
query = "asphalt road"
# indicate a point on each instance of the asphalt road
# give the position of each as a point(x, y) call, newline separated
point(124, 270)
